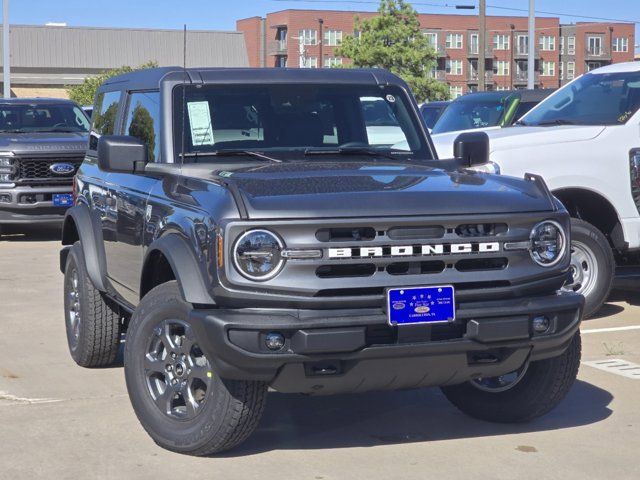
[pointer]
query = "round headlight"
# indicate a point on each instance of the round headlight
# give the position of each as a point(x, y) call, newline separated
point(257, 255)
point(548, 243)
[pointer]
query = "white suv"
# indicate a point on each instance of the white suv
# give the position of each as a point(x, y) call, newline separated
point(585, 141)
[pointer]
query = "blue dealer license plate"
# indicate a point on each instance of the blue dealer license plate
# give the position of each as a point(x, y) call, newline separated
point(421, 305)
point(62, 200)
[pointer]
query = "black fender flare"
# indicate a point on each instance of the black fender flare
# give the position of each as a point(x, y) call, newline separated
point(90, 234)
point(186, 268)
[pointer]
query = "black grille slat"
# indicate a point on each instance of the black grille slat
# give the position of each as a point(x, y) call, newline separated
point(37, 170)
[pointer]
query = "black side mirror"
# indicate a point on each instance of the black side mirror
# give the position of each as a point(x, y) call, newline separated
point(121, 153)
point(472, 148)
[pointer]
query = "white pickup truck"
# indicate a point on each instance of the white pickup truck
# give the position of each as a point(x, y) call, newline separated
point(585, 141)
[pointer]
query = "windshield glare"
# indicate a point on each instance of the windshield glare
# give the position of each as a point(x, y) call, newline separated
point(593, 99)
point(15, 118)
point(471, 113)
point(293, 118)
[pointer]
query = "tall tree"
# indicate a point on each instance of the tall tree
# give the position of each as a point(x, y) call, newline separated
point(393, 40)
point(84, 93)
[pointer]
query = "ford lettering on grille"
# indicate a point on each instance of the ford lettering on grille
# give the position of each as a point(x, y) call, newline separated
point(415, 250)
point(62, 168)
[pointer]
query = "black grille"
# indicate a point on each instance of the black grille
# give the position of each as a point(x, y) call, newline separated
point(37, 170)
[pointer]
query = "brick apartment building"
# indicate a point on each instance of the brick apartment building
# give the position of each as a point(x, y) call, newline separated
point(291, 38)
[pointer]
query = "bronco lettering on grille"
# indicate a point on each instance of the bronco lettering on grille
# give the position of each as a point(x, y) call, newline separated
point(415, 250)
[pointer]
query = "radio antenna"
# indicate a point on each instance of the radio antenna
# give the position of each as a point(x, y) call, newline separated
point(184, 95)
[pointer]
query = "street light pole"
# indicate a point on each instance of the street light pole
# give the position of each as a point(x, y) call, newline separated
point(531, 57)
point(6, 50)
point(321, 40)
point(482, 44)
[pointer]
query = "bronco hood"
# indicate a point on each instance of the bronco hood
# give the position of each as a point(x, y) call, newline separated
point(43, 143)
point(521, 136)
point(361, 189)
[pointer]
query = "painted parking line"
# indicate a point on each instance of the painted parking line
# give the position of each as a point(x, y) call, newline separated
point(611, 329)
point(617, 367)
point(7, 399)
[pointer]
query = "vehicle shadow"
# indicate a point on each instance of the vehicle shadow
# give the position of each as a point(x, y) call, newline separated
point(379, 418)
point(30, 234)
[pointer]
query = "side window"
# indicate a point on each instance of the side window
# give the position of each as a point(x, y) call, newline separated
point(380, 120)
point(105, 114)
point(143, 121)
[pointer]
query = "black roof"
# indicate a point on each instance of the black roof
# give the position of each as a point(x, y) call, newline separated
point(438, 103)
point(151, 78)
point(38, 100)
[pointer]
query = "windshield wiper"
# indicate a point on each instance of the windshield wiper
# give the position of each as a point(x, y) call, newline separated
point(231, 153)
point(371, 152)
point(557, 121)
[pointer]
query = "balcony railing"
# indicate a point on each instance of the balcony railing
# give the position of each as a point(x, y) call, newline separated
point(277, 47)
point(597, 53)
point(524, 53)
point(523, 77)
point(473, 50)
point(473, 77)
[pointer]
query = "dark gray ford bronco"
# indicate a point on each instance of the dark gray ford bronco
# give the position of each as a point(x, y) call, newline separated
point(42, 144)
point(294, 230)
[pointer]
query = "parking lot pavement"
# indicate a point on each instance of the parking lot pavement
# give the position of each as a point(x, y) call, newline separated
point(60, 421)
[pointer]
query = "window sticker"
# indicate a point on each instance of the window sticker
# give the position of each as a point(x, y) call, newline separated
point(200, 120)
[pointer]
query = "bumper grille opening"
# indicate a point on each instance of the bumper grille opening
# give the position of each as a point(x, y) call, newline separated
point(346, 271)
point(345, 234)
point(415, 268)
point(481, 229)
point(481, 264)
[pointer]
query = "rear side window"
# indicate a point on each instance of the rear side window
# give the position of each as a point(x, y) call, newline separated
point(143, 121)
point(105, 115)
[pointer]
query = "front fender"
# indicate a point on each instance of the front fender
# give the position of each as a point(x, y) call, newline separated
point(89, 232)
point(188, 271)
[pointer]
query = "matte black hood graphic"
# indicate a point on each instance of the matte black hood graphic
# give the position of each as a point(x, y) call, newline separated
point(355, 189)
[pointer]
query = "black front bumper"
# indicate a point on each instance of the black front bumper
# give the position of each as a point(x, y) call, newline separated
point(336, 351)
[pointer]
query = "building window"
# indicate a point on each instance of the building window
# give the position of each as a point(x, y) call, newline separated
point(332, 62)
point(432, 39)
point(593, 65)
point(571, 70)
point(474, 43)
point(547, 43)
point(594, 46)
point(455, 91)
point(433, 71)
point(501, 42)
point(501, 88)
point(453, 67)
point(620, 44)
point(454, 40)
point(308, 37)
point(501, 68)
point(548, 69)
point(523, 44)
point(571, 45)
point(281, 61)
point(332, 38)
point(561, 70)
point(309, 62)
point(356, 34)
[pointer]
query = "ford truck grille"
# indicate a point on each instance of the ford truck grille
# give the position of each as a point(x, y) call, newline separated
point(37, 170)
point(363, 258)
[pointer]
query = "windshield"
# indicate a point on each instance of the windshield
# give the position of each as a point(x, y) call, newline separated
point(431, 113)
point(294, 118)
point(593, 99)
point(472, 113)
point(30, 118)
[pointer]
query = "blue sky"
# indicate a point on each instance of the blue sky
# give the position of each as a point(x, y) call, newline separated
point(222, 14)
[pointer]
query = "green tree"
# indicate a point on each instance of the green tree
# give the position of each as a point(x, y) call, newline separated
point(393, 40)
point(142, 127)
point(84, 93)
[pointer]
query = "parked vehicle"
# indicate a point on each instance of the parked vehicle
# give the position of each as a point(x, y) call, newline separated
point(245, 232)
point(484, 110)
point(42, 143)
point(585, 141)
point(431, 112)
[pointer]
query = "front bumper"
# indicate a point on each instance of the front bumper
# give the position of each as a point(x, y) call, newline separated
point(31, 205)
point(337, 351)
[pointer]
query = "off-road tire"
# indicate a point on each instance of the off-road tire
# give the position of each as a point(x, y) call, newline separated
point(98, 338)
point(544, 385)
point(232, 409)
point(595, 240)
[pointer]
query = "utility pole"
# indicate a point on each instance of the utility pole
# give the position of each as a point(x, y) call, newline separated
point(511, 48)
point(6, 50)
point(482, 44)
point(321, 41)
point(531, 58)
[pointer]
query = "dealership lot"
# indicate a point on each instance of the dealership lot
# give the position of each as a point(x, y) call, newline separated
point(59, 421)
